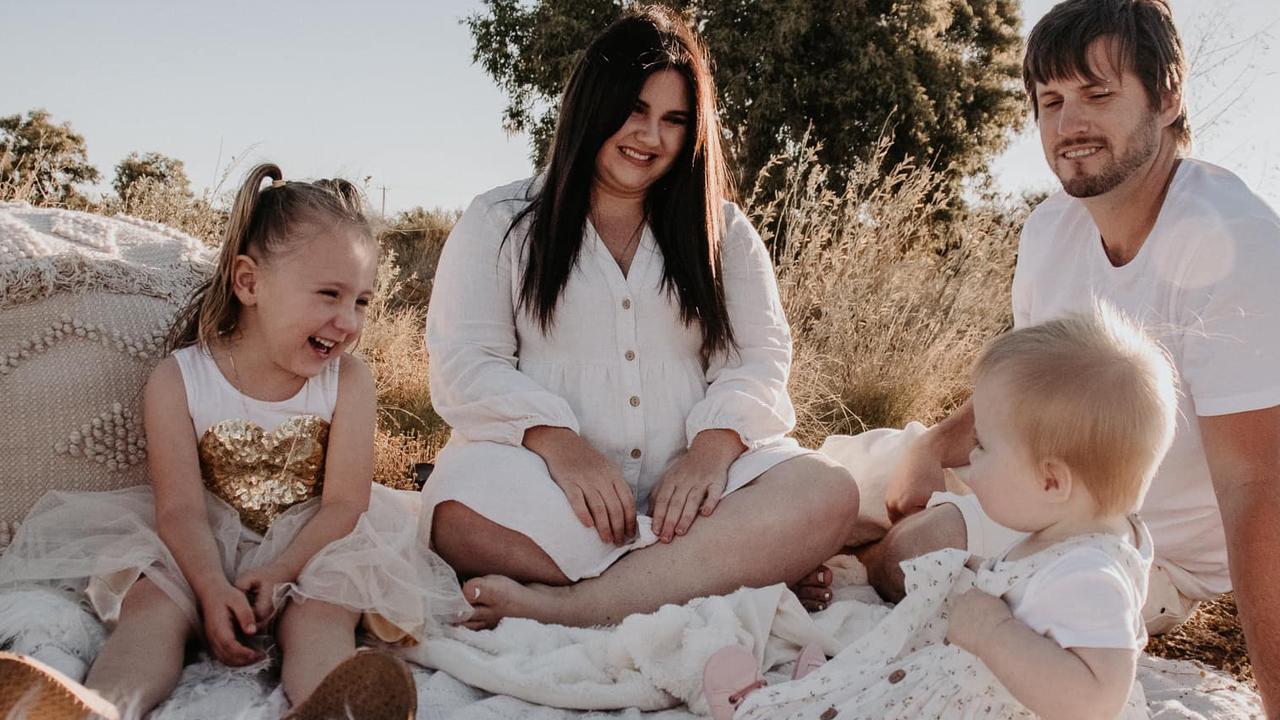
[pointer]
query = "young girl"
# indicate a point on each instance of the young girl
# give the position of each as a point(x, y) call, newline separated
point(260, 441)
point(1072, 418)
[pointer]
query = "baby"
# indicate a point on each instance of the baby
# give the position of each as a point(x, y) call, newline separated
point(1072, 417)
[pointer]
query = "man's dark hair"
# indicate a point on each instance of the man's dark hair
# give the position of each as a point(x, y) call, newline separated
point(1144, 39)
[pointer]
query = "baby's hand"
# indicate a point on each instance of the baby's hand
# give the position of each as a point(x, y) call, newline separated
point(974, 617)
point(259, 585)
point(223, 608)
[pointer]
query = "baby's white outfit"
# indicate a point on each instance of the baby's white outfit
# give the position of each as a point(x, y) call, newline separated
point(1083, 592)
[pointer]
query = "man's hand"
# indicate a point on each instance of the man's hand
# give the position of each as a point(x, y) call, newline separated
point(917, 476)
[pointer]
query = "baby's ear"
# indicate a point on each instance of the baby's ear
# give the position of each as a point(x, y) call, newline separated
point(1057, 480)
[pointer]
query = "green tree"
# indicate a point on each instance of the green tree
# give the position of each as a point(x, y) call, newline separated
point(160, 169)
point(940, 77)
point(43, 160)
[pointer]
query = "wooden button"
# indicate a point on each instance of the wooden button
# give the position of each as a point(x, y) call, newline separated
point(626, 304)
point(631, 355)
point(635, 453)
point(635, 401)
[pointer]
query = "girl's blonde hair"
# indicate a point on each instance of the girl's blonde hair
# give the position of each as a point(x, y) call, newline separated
point(263, 222)
point(1094, 392)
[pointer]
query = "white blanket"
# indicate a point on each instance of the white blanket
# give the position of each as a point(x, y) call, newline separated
point(650, 666)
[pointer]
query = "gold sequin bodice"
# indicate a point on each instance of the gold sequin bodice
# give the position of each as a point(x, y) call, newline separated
point(261, 474)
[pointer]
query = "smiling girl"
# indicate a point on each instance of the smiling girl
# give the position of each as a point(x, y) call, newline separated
point(261, 508)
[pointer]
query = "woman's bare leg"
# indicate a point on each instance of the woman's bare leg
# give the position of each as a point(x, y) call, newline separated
point(141, 662)
point(777, 529)
point(474, 545)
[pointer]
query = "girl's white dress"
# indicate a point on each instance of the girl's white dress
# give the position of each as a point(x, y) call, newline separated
point(619, 367)
point(903, 669)
point(263, 468)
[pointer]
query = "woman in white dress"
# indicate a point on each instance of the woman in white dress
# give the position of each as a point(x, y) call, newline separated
point(607, 343)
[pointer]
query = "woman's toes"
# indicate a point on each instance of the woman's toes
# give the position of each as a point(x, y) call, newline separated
point(814, 594)
point(472, 590)
point(818, 578)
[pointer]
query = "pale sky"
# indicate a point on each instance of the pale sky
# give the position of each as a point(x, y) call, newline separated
point(387, 90)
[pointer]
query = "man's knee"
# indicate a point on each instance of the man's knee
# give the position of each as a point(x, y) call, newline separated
point(933, 529)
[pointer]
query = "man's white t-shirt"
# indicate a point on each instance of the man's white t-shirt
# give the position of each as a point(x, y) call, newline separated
point(1206, 285)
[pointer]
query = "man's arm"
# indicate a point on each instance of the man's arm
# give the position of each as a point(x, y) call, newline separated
point(1243, 450)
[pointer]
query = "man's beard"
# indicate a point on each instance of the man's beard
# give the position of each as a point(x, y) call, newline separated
point(1143, 143)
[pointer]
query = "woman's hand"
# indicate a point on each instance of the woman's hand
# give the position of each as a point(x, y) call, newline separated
point(259, 586)
point(224, 609)
point(595, 488)
point(694, 483)
point(973, 618)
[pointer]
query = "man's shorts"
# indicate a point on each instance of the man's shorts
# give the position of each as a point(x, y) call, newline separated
point(1165, 609)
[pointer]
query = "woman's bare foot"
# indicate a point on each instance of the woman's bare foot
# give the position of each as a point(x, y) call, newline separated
point(495, 597)
point(814, 589)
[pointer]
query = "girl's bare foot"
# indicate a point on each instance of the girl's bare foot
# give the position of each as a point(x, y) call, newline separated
point(495, 597)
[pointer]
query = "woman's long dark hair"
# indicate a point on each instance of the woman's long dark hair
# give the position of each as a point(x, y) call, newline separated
point(684, 208)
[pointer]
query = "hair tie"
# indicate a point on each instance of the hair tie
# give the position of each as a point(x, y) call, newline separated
point(277, 183)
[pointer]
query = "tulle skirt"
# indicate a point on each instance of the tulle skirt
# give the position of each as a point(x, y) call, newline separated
point(100, 543)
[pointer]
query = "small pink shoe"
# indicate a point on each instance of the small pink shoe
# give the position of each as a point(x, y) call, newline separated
point(731, 673)
point(811, 658)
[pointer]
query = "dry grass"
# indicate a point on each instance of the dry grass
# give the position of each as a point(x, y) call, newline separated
point(1212, 636)
point(888, 304)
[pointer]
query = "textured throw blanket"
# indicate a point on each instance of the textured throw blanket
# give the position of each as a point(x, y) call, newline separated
point(650, 666)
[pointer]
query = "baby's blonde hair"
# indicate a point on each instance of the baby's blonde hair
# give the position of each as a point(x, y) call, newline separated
point(1093, 391)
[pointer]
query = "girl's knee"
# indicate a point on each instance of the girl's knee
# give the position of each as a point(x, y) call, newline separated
point(309, 612)
point(146, 599)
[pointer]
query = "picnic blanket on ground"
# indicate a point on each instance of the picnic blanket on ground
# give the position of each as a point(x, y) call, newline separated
point(647, 668)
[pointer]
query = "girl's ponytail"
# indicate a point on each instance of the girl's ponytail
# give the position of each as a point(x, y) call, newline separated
point(213, 308)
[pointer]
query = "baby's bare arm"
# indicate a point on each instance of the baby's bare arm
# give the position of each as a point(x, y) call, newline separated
point(1052, 681)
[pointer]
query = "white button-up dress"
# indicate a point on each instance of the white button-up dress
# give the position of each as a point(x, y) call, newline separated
point(619, 367)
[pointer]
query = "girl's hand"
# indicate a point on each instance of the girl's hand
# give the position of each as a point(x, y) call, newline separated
point(259, 586)
point(694, 483)
point(595, 488)
point(225, 609)
point(973, 619)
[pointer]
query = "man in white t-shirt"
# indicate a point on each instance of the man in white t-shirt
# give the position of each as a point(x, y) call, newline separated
point(1185, 248)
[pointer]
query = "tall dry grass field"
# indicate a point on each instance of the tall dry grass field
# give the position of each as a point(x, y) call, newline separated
point(888, 303)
